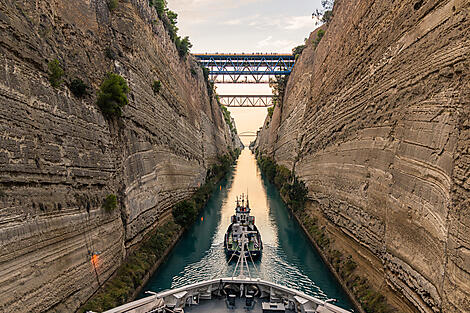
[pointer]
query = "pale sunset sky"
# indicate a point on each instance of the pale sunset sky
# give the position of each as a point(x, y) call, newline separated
point(245, 26)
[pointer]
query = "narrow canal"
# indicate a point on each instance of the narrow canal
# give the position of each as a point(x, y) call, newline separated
point(288, 257)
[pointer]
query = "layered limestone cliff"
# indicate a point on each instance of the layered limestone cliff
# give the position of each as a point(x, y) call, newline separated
point(59, 157)
point(376, 121)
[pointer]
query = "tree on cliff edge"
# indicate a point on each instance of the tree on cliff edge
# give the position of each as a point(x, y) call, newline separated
point(326, 13)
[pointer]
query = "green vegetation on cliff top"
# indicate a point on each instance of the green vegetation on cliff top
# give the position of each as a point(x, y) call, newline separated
point(325, 14)
point(169, 19)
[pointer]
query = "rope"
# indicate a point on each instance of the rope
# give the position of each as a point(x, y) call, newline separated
point(251, 257)
point(236, 266)
point(246, 262)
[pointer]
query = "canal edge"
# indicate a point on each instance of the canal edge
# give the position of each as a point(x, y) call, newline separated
point(157, 264)
point(351, 296)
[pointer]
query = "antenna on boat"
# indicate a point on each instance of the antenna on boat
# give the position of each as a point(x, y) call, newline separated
point(247, 201)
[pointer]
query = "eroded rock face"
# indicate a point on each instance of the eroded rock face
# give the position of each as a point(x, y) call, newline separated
point(376, 122)
point(59, 158)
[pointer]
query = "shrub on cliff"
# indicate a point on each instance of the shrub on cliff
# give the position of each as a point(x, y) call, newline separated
point(297, 194)
point(55, 73)
point(110, 203)
point(183, 45)
point(78, 88)
point(298, 50)
point(227, 117)
point(156, 86)
point(110, 53)
point(270, 111)
point(283, 176)
point(294, 191)
point(320, 35)
point(112, 96)
point(160, 6)
point(209, 83)
point(185, 213)
point(268, 167)
point(327, 15)
point(112, 4)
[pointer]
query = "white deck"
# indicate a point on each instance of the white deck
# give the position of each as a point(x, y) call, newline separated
point(186, 297)
point(220, 306)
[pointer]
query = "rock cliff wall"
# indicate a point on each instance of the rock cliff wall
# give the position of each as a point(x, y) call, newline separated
point(59, 158)
point(376, 121)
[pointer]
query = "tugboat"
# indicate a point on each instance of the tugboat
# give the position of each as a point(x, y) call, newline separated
point(243, 224)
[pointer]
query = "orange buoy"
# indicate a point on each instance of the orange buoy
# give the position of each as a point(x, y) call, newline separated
point(202, 218)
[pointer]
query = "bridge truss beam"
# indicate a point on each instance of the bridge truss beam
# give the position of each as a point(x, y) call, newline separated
point(247, 134)
point(240, 101)
point(245, 68)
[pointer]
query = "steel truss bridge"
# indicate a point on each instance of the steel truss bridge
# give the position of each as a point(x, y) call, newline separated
point(237, 101)
point(255, 68)
point(245, 68)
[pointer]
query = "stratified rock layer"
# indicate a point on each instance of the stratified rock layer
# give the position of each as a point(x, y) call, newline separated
point(376, 122)
point(59, 158)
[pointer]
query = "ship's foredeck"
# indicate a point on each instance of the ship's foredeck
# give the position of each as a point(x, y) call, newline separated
point(220, 306)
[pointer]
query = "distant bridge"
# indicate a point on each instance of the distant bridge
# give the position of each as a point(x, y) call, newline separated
point(247, 134)
point(239, 101)
point(245, 68)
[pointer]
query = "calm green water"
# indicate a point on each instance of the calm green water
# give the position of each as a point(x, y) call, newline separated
point(288, 257)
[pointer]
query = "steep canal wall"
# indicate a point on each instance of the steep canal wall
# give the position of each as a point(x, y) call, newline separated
point(375, 120)
point(60, 158)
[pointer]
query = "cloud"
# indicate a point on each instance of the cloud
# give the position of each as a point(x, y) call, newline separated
point(280, 22)
point(268, 44)
point(299, 22)
point(265, 42)
point(192, 12)
point(210, 5)
point(237, 21)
